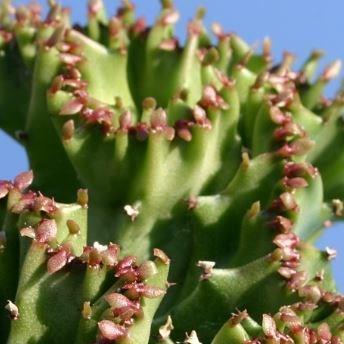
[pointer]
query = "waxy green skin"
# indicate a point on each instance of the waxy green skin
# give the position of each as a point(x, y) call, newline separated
point(203, 176)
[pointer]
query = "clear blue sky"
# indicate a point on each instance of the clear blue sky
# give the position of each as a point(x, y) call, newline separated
point(294, 25)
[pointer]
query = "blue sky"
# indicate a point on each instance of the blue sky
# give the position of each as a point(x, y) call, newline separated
point(293, 25)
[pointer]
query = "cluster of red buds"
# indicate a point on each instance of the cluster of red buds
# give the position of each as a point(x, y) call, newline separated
point(287, 327)
point(210, 99)
point(296, 175)
point(94, 112)
point(23, 200)
point(291, 139)
point(287, 241)
point(125, 302)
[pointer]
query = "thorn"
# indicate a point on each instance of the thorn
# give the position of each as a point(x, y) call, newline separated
point(170, 284)
point(332, 71)
point(200, 13)
point(86, 310)
point(319, 276)
point(254, 210)
point(98, 247)
point(73, 227)
point(183, 131)
point(166, 329)
point(245, 60)
point(207, 267)
point(287, 62)
point(13, 310)
point(317, 54)
point(131, 211)
point(267, 49)
point(191, 338)
point(236, 319)
point(127, 6)
point(166, 4)
point(276, 255)
point(57, 36)
point(217, 30)
point(161, 255)
point(245, 160)
point(192, 202)
point(330, 253)
point(94, 6)
point(118, 103)
point(52, 3)
point(170, 18)
point(68, 130)
point(82, 197)
point(338, 207)
point(149, 103)
point(92, 255)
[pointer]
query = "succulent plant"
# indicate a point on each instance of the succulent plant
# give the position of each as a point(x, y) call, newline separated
point(176, 191)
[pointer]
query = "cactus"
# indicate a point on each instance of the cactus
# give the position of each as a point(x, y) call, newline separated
point(176, 191)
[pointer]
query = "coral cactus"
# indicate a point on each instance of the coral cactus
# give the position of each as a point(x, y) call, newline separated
point(193, 179)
